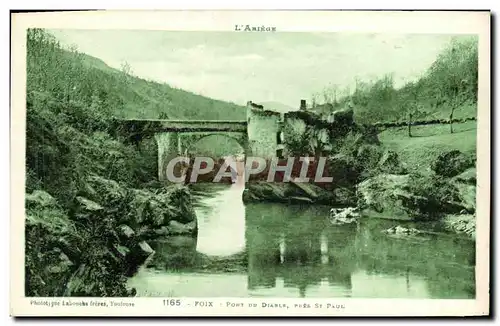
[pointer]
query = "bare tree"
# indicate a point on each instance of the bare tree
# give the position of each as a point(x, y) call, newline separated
point(314, 99)
point(126, 68)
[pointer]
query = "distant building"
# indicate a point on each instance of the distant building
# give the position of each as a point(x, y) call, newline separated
point(303, 105)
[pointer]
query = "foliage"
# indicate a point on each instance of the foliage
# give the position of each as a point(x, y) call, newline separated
point(451, 163)
point(73, 242)
point(450, 83)
point(69, 74)
point(305, 136)
point(299, 140)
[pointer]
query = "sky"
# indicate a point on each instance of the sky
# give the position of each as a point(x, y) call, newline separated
point(261, 67)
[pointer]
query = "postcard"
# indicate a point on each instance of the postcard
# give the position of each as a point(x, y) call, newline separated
point(250, 163)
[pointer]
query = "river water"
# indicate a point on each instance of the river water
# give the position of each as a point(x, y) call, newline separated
point(276, 250)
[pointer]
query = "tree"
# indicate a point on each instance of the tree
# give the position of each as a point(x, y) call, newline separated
point(126, 68)
point(454, 74)
point(314, 99)
point(330, 94)
point(412, 104)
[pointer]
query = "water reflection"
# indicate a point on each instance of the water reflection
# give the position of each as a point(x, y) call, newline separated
point(303, 256)
point(273, 250)
point(221, 223)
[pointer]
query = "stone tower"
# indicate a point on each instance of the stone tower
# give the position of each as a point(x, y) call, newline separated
point(263, 128)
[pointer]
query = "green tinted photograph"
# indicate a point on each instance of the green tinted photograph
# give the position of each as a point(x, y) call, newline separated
point(250, 164)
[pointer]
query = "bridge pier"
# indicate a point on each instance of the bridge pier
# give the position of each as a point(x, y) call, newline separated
point(259, 135)
point(169, 147)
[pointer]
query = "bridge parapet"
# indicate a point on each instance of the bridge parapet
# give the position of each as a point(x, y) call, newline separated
point(151, 126)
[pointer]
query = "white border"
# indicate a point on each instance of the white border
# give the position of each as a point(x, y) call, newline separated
point(421, 22)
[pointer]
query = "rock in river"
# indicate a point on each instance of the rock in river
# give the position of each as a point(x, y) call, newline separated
point(176, 228)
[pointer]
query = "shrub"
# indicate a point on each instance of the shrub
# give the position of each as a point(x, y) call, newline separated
point(451, 163)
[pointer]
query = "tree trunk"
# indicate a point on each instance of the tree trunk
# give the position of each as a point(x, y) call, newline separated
point(451, 120)
point(454, 104)
point(409, 125)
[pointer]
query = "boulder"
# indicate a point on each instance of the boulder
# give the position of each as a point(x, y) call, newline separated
point(146, 232)
point(88, 205)
point(289, 192)
point(339, 216)
point(121, 251)
point(468, 176)
point(144, 249)
point(311, 192)
point(452, 163)
point(408, 197)
point(136, 255)
point(400, 230)
point(176, 228)
point(267, 191)
point(126, 231)
point(163, 231)
point(386, 196)
point(461, 224)
point(467, 196)
point(40, 198)
point(300, 200)
point(307, 188)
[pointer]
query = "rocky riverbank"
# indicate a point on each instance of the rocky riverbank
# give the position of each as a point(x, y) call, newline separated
point(446, 193)
point(102, 239)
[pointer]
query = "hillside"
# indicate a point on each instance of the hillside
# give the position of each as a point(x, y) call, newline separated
point(451, 82)
point(93, 200)
point(74, 76)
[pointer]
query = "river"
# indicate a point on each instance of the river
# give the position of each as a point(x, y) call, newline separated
point(276, 250)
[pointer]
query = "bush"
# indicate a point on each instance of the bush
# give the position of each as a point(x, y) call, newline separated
point(367, 158)
point(452, 163)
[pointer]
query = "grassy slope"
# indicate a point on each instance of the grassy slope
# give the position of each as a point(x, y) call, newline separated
point(428, 142)
point(140, 98)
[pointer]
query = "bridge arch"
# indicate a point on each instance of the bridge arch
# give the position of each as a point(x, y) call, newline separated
point(190, 141)
point(257, 134)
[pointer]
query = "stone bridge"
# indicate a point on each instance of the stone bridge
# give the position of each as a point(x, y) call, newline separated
point(257, 135)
